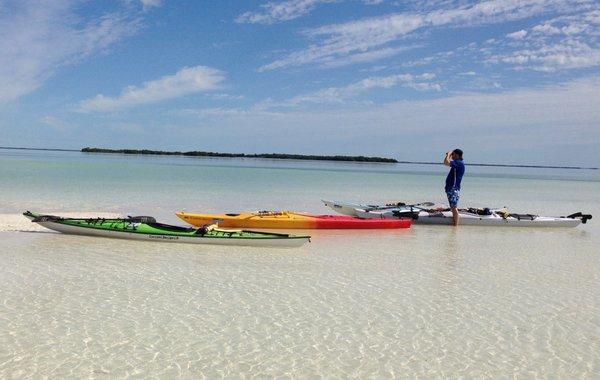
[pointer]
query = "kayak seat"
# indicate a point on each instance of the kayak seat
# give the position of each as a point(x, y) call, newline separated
point(480, 211)
point(141, 219)
point(47, 218)
point(169, 227)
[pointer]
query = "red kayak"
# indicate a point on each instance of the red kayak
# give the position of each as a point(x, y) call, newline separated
point(291, 220)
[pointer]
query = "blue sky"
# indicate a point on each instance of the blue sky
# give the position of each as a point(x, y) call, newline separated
point(514, 81)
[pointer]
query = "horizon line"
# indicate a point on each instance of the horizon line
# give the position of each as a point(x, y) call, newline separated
point(401, 162)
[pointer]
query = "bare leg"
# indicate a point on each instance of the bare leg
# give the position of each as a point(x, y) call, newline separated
point(455, 216)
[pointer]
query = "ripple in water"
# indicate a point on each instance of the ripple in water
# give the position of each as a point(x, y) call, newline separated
point(426, 303)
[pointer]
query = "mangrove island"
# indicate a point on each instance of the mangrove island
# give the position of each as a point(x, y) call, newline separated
point(278, 156)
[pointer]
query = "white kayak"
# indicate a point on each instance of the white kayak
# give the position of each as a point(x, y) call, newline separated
point(468, 217)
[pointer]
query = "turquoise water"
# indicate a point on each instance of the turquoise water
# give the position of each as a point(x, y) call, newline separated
point(160, 185)
point(431, 301)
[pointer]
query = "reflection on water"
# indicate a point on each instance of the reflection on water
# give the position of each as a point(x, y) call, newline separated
point(451, 249)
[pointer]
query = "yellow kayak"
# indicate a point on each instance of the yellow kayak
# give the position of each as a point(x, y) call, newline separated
point(290, 220)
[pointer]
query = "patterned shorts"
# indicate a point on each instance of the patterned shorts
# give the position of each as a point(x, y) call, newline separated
point(453, 197)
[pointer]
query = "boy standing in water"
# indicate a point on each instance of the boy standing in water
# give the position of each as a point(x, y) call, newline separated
point(454, 159)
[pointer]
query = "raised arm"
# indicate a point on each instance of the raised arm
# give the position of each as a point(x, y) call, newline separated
point(448, 158)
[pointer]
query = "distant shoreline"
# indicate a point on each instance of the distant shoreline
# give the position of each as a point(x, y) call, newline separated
point(279, 156)
point(46, 149)
point(283, 156)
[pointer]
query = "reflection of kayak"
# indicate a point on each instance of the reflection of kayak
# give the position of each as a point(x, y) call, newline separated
point(290, 220)
point(469, 217)
point(146, 228)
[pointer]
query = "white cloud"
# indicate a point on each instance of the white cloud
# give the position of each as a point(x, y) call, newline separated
point(518, 35)
point(425, 86)
point(369, 56)
point(186, 81)
point(276, 12)
point(253, 112)
point(585, 23)
point(151, 3)
point(37, 39)
point(568, 54)
point(441, 58)
point(483, 83)
point(272, 12)
point(339, 95)
point(341, 40)
point(567, 42)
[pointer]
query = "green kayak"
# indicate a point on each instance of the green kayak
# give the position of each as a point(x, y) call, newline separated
point(146, 228)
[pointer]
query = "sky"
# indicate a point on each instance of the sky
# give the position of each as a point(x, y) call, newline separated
point(508, 81)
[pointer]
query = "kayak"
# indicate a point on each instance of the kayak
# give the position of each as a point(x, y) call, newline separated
point(476, 218)
point(146, 228)
point(469, 216)
point(291, 220)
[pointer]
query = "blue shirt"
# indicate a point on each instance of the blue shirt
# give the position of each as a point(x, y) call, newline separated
point(457, 170)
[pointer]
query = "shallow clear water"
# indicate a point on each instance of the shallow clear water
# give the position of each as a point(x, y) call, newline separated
point(430, 302)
